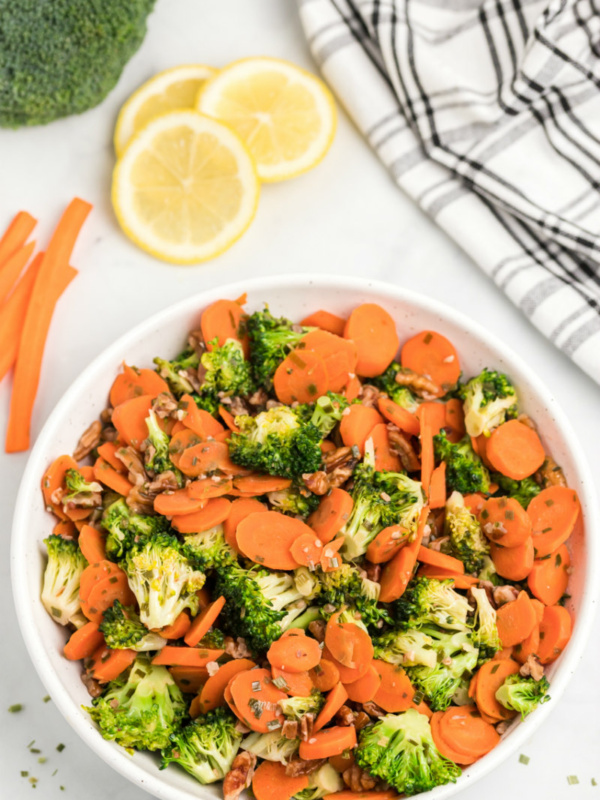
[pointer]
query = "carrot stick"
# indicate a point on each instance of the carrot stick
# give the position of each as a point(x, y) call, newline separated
point(327, 743)
point(384, 458)
point(335, 700)
point(325, 675)
point(212, 694)
point(437, 487)
point(84, 642)
point(515, 620)
point(16, 235)
point(257, 685)
point(189, 679)
point(294, 654)
point(266, 538)
point(364, 689)
point(397, 573)
point(466, 732)
point(431, 354)
point(513, 563)
point(444, 748)
point(504, 521)
point(228, 419)
point(455, 420)
point(133, 382)
point(203, 622)
point(395, 692)
point(173, 656)
point(437, 559)
point(37, 323)
point(332, 514)
point(298, 684)
point(270, 782)
point(221, 321)
point(302, 376)
point(178, 628)
point(373, 331)
point(549, 576)
point(357, 423)
point(490, 678)
point(214, 513)
point(386, 544)
point(92, 545)
point(555, 632)
point(432, 416)
point(515, 450)
point(553, 514)
point(398, 416)
point(104, 473)
point(326, 321)
point(11, 269)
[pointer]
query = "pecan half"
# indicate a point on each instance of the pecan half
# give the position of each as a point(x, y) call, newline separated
point(358, 780)
point(196, 342)
point(420, 385)
point(345, 717)
point(373, 571)
point(164, 405)
point(89, 439)
point(132, 460)
point(91, 684)
point(532, 667)
point(163, 482)
point(368, 395)
point(289, 729)
point(317, 628)
point(340, 457)
point(550, 474)
point(361, 720)
point(400, 445)
point(236, 648)
point(372, 709)
point(258, 398)
point(139, 501)
point(298, 766)
point(306, 727)
point(504, 594)
point(316, 482)
point(239, 776)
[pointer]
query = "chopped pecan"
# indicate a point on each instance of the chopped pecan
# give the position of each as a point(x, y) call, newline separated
point(91, 684)
point(90, 439)
point(273, 404)
point(358, 780)
point(372, 709)
point(196, 342)
point(236, 648)
point(106, 415)
point(400, 445)
point(139, 501)
point(373, 572)
point(306, 727)
point(316, 482)
point(340, 457)
point(109, 434)
point(289, 729)
point(345, 717)
point(368, 395)
point(317, 628)
point(258, 398)
point(163, 482)
point(504, 594)
point(298, 766)
point(239, 776)
point(237, 406)
point(503, 726)
point(532, 667)
point(164, 405)
point(361, 720)
point(339, 476)
point(421, 385)
point(550, 474)
point(132, 460)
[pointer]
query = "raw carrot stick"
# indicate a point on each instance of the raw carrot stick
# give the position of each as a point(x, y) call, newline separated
point(221, 321)
point(385, 459)
point(326, 321)
point(515, 620)
point(261, 484)
point(504, 521)
point(437, 487)
point(395, 692)
point(133, 382)
point(212, 694)
point(397, 573)
point(398, 416)
point(490, 678)
point(386, 544)
point(332, 514)
point(173, 656)
point(257, 685)
point(455, 420)
point(364, 689)
point(92, 544)
point(327, 743)
point(208, 488)
point(108, 664)
point(298, 684)
point(270, 782)
point(515, 450)
point(11, 269)
point(325, 675)
point(432, 416)
point(513, 563)
point(84, 642)
point(203, 622)
point(294, 653)
point(553, 514)
point(266, 538)
point(431, 354)
point(16, 235)
point(302, 376)
point(37, 323)
point(437, 559)
point(443, 747)
point(555, 632)
point(189, 679)
point(214, 513)
point(373, 331)
point(549, 576)
point(103, 595)
point(307, 550)
point(178, 628)
point(240, 509)
point(357, 423)
point(335, 700)
point(228, 419)
point(199, 420)
point(177, 503)
point(104, 473)
point(466, 732)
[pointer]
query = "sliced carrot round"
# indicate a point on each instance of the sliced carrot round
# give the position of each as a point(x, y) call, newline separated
point(386, 544)
point(266, 538)
point(177, 503)
point(307, 550)
point(110, 477)
point(198, 420)
point(349, 643)
point(295, 684)
point(256, 698)
point(181, 441)
point(490, 678)
point(339, 356)
point(549, 576)
point(261, 484)
point(294, 654)
point(207, 458)
point(223, 320)
point(398, 416)
point(515, 450)
point(301, 377)
point(214, 513)
point(129, 418)
point(431, 354)
point(395, 692)
point(553, 514)
point(326, 321)
point(335, 700)
point(325, 675)
point(364, 689)
point(106, 664)
point(53, 479)
point(513, 563)
point(528, 646)
point(92, 544)
point(332, 514)
point(270, 782)
point(212, 694)
point(94, 573)
point(504, 521)
point(103, 595)
point(327, 743)
point(464, 729)
point(443, 747)
point(515, 620)
point(84, 642)
point(208, 488)
point(373, 330)
point(357, 423)
point(133, 382)
point(346, 674)
point(189, 679)
point(240, 509)
point(555, 632)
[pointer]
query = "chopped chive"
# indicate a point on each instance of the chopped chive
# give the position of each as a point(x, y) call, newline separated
point(60, 747)
point(523, 759)
point(24, 773)
point(15, 709)
point(42, 760)
point(62, 788)
point(31, 743)
point(46, 699)
point(54, 773)
point(34, 750)
point(594, 782)
point(572, 780)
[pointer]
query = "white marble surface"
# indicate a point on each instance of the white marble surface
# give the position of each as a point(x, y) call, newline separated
point(346, 218)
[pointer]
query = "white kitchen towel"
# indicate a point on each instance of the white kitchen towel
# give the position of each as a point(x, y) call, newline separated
point(487, 113)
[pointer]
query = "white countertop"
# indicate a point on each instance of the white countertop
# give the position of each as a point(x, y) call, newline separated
point(346, 218)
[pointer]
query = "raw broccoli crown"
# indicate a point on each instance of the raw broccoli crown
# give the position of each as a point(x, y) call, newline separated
point(124, 527)
point(399, 749)
point(206, 747)
point(123, 630)
point(276, 442)
point(523, 491)
point(486, 631)
point(141, 708)
point(467, 542)
point(428, 601)
point(79, 489)
point(162, 579)
point(271, 339)
point(488, 400)
point(295, 708)
point(157, 458)
point(523, 694)
point(294, 501)
point(465, 472)
point(63, 57)
point(175, 371)
point(209, 550)
point(271, 746)
point(345, 587)
point(386, 382)
point(60, 589)
point(226, 368)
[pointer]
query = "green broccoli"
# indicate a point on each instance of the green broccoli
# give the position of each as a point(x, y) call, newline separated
point(323, 781)
point(142, 708)
point(227, 371)
point(125, 527)
point(271, 746)
point(60, 589)
point(213, 640)
point(162, 579)
point(345, 587)
point(206, 747)
point(307, 582)
point(523, 491)
point(294, 501)
point(466, 542)
point(488, 572)
point(277, 442)
point(381, 498)
point(63, 57)
point(430, 601)
point(486, 632)
point(157, 456)
point(326, 412)
point(523, 694)
point(271, 339)
point(405, 648)
point(399, 394)
point(175, 371)
point(465, 472)
point(295, 708)
point(489, 399)
point(123, 630)
point(80, 492)
point(399, 749)
point(209, 550)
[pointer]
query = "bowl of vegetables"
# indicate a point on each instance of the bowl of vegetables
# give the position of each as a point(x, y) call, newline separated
point(314, 538)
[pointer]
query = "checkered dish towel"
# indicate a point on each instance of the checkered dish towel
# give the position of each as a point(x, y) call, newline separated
point(487, 113)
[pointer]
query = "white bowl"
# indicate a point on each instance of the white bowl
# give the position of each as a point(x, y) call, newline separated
point(295, 297)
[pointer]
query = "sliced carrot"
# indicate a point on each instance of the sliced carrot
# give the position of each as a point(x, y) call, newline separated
point(504, 521)
point(203, 622)
point(134, 382)
point(515, 450)
point(513, 563)
point(474, 502)
point(107, 664)
point(335, 700)
point(503, 654)
point(346, 674)
point(108, 451)
point(104, 473)
point(528, 646)
point(65, 528)
point(207, 458)
point(515, 620)
point(549, 576)
point(398, 416)
point(431, 354)
point(350, 644)
point(53, 479)
point(177, 503)
point(472, 686)
point(93, 574)
point(178, 628)
point(397, 573)
point(240, 509)
point(364, 689)
point(437, 487)
point(326, 321)
point(255, 689)
point(330, 742)
point(340, 764)
point(182, 440)
point(443, 747)
point(490, 678)
point(294, 654)
point(384, 458)
point(325, 675)
point(92, 544)
point(455, 420)
point(16, 235)
point(555, 632)
point(189, 679)
point(466, 732)
point(437, 559)
point(297, 684)
point(129, 418)
point(103, 595)
point(214, 513)
point(432, 416)
point(261, 484)
point(461, 581)
point(307, 550)
point(352, 389)
point(224, 320)
point(301, 377)
point(373, 331)
point(395, 692)
point(330, 561)
point(208, 488)
point(339, 356)
point(172, 656)
point(357, 423)
point(228, 419)
point(84, 642)
point(11, 269)
point(198, 420)
point(266, 538)
point(386, 544)
point(553, 514)
point(332, 514)
point(212, 694)
point(270, 782)
point(14, 311)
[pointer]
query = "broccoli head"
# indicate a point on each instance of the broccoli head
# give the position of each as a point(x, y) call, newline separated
point(142, 708)
point(271, 746)
point(465, 472)
point(401, 395)
point(523, 695)
point(124, 527)
point(206, 747)
point(307, 582)
point(226, 369)
point(209, 550)
point(162, 579)
point(430, 601)
point(60, 589)
point(399, 749)
point(294, 501)
point(277, 442)
point(295, 708)
point(123, 630)
point(406, 648)
point(175, 372)
point(271, 339)
point(486, 633)
point(523, 491)
point(325, 413)
point(345, 587)
point(323, 781)
point(489, 399)
point(80, 492)
point(466, 542)
point(157, 458)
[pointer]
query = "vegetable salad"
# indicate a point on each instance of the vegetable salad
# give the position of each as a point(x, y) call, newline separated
point(310, 558)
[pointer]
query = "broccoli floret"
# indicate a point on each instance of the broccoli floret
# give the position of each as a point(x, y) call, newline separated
point(271, 339)
point(80, 492)
point(295, 708)
point(431, 601)
point(488, 400)
point(523, 695)
point(125, 527)
point(486, 633)
point(399, 394)
point(209, 550)
point(381, 498)
point(206, 747)
point(400, 750)
point(405, 648)
point(294, 501)
point(162, 579)
point(307, 582)
point(141, 708)
point(157, 457)
point(227, 370)
point(271, 746)
point(467, 542)
point(345, 587)
point(64, 57)
point(523, 491)
point(488, 572)
point(60, 590)
point(213, 640)
point(326, 412)
point(123, 630)
point(175, 371)
point(324, 781)
point(277, 442)
point(465, 472)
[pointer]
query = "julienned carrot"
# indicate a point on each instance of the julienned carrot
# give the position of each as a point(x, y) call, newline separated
point(327, 743)
point(223, 320)
point(178, 628)
point(357, 423)
point(228, 419)
point(261, 484)
point(129, 418)
point(177, 503)
point(214, 513)
point(208, 488)
point(189, 679)
point(553, 514)
point(92, 544)
point(307, 550)
point(432, 416)
point(437, 559)
point(104, 594)
point(386, 544)
point(350, 645)
point(397, 573)
point(104, 473)
point(11, 269)
point(444, 748)
point(108, 664)
point(513, 563)
point(203, 622)
point(400, 417)
point(302, 376)
point(207, 458)
point(332, 514)
point(395, 692)
point(212, 694)
point(335, 700)
point(373, 331)
point(431, 354)
point(170, 655)
point(504, 521)
point(133, 382)
point(364, 689)
point(326, 321)
point(555, 632)
point(464, 730)
point(515, 450)
point(266, 538)
point(84, 642)
point(455, 420)
point(549, 576)
point(437, 487)
point(339, 356)
point(257, 685)
point(13, 314)
point(16, 235)
point(325, 675)
point(385, 459)
point(294, 653)
point(297, 684)
point(515, 620)
point(240, 508)
point(199, 420)
point(270, 782)
point(37, 323)
point(490, 678)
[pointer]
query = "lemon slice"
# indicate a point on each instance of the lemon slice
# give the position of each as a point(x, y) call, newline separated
point(170, 90)
point(285, 115)
point(185, 188)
